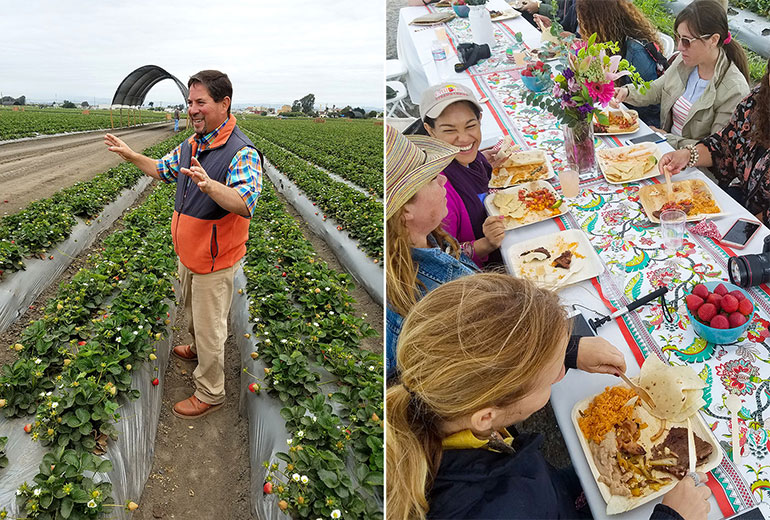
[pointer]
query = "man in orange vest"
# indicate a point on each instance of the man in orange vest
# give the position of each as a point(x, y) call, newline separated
point(215, 198)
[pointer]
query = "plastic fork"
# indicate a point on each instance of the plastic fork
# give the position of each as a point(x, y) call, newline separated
point(641, 392)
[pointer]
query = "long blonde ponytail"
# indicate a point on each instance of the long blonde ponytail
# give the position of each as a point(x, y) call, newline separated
point(481, 340)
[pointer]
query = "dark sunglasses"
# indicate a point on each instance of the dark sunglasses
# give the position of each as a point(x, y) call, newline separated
point(687, 41)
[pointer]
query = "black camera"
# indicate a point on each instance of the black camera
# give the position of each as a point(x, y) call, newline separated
point(749, 270)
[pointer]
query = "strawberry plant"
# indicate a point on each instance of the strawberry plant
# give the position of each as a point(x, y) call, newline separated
point(3, 456)
point(361, 216)
point(60, 489)
point(352, 150)
point(44, 223)
point(334, 420)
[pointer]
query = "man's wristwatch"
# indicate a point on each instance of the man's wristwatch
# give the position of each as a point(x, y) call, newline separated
point(693, 155)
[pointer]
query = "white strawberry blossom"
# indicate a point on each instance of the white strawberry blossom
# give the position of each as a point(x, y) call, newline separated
point(295, 477)
point(91, 504)
point(304, 479)
point(336, 514)
point(289, 441)
point(37, 492)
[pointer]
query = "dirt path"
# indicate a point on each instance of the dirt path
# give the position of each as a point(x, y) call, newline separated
point(38, 168)
point(201, 467)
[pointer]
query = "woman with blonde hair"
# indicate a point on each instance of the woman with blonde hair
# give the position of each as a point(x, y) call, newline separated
point(420, 255)
point(700, 90)
point(476, 355)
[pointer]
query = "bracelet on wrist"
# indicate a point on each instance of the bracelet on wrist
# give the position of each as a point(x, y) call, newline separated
point(693, 155)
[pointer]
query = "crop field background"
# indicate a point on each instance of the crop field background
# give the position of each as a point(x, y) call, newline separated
point(28, 121)
point(74, 357)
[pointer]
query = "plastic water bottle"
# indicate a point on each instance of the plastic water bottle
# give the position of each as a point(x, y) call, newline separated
point(439, 58)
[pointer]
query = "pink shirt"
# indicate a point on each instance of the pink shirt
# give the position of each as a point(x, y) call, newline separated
point(457, 222)
point(680, 110)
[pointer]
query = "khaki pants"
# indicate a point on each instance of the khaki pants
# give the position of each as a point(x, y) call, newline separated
point(206, 299)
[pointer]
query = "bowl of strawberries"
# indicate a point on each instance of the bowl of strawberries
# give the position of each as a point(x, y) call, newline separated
point(720, 312)
point(536, 76)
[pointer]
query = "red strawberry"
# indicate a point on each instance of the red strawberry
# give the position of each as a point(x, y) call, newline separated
point(693, 302)
point(715, 299)
point(155, 382)
point(253, 387)
point(81, 343)
point(729, 303)
point(707, 311)
point(268, 487)
point(737, 294)
point(746, 307)
point(701, 290)
point(283, 274)
point(720, 289)
point(526, 72)
point(28, 427)
point(719, 322)
point(736, 319)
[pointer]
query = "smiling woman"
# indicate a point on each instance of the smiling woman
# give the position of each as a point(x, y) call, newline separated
point(452, 114)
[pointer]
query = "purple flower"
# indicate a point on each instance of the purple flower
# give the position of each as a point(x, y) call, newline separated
point(566, 96)
point(585, 109)
point(567, 73)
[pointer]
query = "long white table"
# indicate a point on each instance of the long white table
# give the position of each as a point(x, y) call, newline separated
point(414, 48)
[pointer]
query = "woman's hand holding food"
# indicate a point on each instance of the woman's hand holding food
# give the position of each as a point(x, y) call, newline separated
point(621, 93)
point(494, 230)
point(599, 356)
point(688, 500)
point(674, 161)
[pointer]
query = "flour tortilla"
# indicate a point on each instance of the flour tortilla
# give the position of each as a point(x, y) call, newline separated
point(676, 390)
point(627, 163)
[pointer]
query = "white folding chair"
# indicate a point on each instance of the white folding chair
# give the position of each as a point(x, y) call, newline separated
point(668, 44)
point(396, 102)
point(394, 69)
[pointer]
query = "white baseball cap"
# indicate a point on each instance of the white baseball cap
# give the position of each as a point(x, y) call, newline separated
point(436, 98)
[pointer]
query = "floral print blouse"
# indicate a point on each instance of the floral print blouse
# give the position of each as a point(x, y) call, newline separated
point(736, 156)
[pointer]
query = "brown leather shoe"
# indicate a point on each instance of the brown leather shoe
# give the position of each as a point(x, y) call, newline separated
point(193, 408)
point(185, 353)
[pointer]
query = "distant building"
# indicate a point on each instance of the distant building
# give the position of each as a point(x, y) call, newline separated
point(284, 109)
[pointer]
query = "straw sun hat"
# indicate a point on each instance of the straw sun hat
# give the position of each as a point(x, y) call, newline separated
point(410, 163)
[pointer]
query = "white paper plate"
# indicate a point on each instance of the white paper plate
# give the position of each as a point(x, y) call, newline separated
point(492, 210)
point(649, 175)
point(592, 264)
point(617, 504)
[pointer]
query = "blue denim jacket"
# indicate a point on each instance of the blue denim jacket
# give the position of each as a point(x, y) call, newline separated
point(434, 267)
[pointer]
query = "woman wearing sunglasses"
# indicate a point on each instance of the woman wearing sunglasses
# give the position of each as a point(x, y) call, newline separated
point(700, 90)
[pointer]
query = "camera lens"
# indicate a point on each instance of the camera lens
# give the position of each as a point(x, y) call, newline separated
point(749, 270)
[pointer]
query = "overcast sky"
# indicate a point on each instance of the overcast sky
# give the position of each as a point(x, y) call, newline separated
point(273, 51)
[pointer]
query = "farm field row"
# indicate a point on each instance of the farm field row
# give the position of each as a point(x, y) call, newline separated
point(29, 122)
point(360, 216)
point(75, 364)
point(43, 223)
point(302, 326)
point(350, 149)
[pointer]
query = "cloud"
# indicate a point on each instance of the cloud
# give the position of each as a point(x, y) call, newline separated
point(273, 51)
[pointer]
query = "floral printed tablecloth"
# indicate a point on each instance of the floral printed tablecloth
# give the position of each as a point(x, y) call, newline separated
point(637, 263)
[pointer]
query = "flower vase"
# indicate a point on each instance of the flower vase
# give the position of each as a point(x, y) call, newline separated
point(579, 145)
point(481, 26)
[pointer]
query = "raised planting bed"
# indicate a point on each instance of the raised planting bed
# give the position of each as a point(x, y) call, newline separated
point(313, 396)
point(89, 371)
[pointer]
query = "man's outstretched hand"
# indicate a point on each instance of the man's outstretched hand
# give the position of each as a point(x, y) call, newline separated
point(199, 176)
point(119, 147)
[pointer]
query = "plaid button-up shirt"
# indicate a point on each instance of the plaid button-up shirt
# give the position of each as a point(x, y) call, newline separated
point(244, 173)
